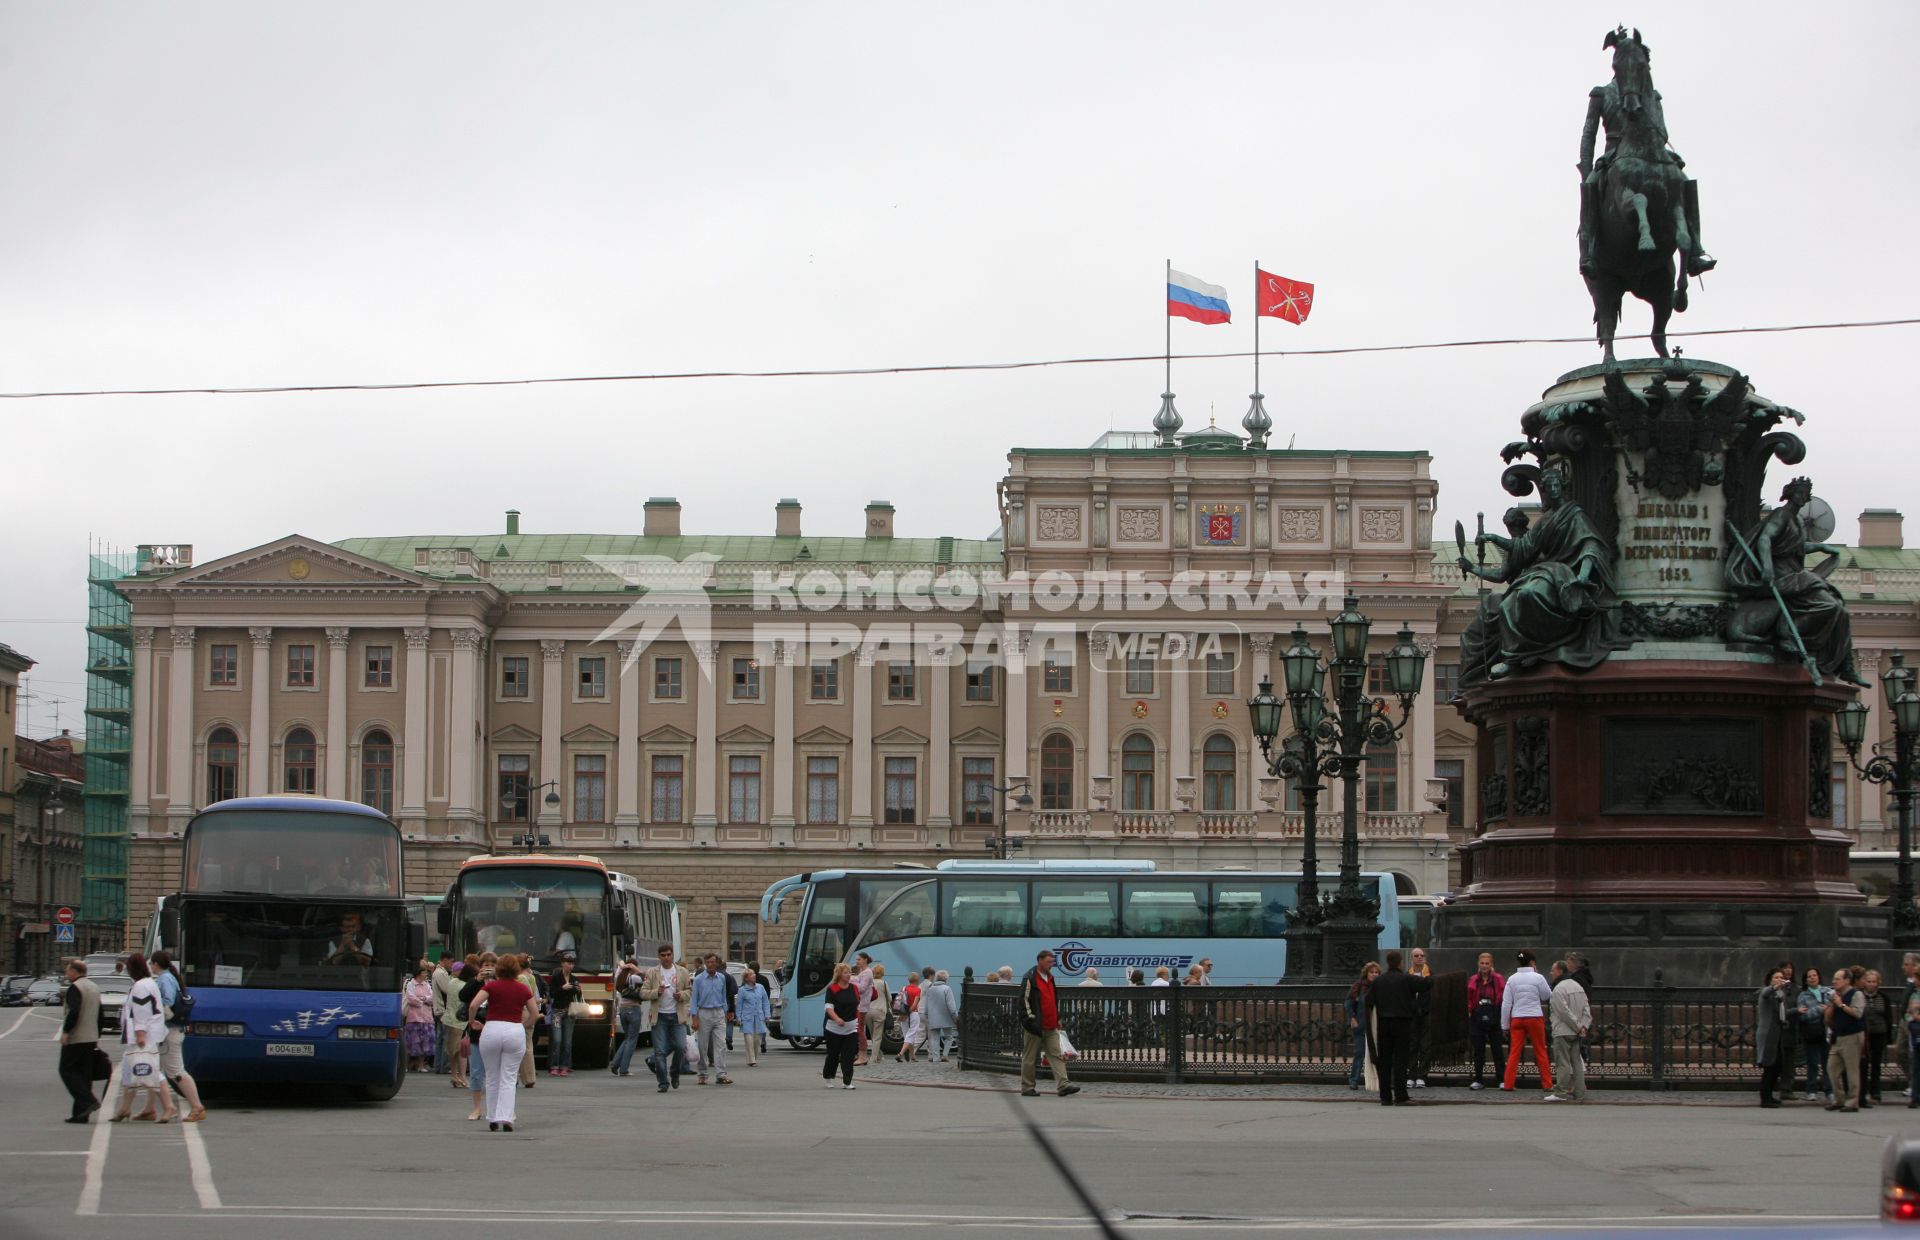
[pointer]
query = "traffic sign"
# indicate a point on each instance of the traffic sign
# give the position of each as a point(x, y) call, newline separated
point(63, 933)
point(64, 916)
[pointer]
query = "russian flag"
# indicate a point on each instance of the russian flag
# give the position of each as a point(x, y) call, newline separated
point(1188, 298)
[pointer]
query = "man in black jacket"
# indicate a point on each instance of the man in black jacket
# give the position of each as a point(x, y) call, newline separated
point(1393, 1000)
point(1040, 1017)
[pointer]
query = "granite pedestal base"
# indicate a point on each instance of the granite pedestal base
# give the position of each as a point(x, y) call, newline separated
point(1681, 944)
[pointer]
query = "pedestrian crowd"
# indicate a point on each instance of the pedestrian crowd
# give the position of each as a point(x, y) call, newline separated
point(153, 1024)
point(1832, 1034)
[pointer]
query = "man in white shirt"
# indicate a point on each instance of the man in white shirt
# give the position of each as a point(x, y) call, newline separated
point(1092, 978)
point(1571, 1015)
point(668, 989)
point(1523, 1016)
point(863, 987)
point(352, 946)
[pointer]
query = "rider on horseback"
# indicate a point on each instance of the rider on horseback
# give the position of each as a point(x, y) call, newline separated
point(1605, 109)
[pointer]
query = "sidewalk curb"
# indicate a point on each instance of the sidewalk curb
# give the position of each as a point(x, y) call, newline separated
point(1424, 1102)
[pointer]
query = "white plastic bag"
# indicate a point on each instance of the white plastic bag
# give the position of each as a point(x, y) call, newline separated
point(1066, 1047)
point(140, 1068)
point(693, 1052)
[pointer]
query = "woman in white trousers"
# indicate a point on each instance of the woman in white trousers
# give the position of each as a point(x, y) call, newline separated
point(503, 1040)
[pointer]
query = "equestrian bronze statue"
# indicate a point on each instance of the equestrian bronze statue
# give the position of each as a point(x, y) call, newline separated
point(1638, 209)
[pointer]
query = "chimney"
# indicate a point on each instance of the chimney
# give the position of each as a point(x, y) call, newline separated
point(663, 517)
point(1880, 527)
point(513, 520)
point(786, 519)
point(879, 519)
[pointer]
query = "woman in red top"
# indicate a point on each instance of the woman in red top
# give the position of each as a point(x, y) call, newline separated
point(915, 1032)
point(503, 1043)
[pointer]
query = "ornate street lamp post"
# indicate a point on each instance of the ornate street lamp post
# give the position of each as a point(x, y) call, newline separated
point(1338, 934)
point(1898, 769)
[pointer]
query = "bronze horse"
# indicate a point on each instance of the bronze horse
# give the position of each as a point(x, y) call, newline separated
point(1640, 214)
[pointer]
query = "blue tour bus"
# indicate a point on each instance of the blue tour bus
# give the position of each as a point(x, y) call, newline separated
point(294, 938)
point(1107, 914)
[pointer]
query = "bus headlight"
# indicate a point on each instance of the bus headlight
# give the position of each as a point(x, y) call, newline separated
point(366, 1033)
point(596, 1009)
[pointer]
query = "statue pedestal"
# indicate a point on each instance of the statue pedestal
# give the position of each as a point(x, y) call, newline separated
point(1652, 779)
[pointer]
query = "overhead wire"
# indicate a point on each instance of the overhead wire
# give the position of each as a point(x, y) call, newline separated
point(932, 368)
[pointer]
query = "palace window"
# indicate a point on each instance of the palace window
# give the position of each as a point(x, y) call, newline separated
point(223, 765)
point(667, 685)
point(1136, 773)
point(1056, 771)
point(823, 790)
point(976, 792)
point(592, 676)
point(743, 788)
point(301, 772)
point(379, 667)
point(669, 777)
point(902, 789)
point(515, 783)
point(825, 681)
point(590, 787)
point(223, 667)
point(513, 676)
point(376, 771)
point(299, 666)
point(1218, 772)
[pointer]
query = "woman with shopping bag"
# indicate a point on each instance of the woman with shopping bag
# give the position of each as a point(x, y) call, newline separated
point(143, 1025)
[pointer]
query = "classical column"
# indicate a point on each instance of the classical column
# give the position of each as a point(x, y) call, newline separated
point(553, 687)
point(413, 771)
point(626, 811)
point(1017, 739)
point(940, 748)
point(1865, 795)
point(1099, 742)
point(861, 819)
point(336, 785)
point(462, 723)
point(706, 742)
point(140, 772)
point(180, 798)
point(259, 743)
point(1180, 727)
point(782, 821)
point(1421, 734)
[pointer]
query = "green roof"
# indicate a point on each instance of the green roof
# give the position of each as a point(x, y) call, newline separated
point(508, 559)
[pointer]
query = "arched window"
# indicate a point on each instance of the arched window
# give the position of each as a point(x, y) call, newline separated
point(1136, 773)
point(301, 766)
point(223, 765)
point(376, 770)
point(1218, 763)
point(1056, 771)
point(1383, 778)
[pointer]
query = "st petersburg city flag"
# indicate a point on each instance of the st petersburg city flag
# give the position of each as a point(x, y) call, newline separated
point(1188, 298)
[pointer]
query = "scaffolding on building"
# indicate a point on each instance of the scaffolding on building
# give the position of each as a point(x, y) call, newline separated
point(109, 752)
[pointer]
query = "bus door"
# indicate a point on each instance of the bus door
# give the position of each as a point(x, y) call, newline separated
point(826, 921)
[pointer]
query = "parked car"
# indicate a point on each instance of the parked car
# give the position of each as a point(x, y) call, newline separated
point(13, 989)
point(105, 964)
point(113, 996)
point(46, 991)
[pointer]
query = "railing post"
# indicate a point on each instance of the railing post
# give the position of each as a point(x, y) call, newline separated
point(1657, 1032)
point(1176, 1035)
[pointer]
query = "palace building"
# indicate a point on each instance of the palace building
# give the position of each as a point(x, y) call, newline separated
point(710, 713)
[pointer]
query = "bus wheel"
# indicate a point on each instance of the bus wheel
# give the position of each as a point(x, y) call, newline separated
point(380, 1092)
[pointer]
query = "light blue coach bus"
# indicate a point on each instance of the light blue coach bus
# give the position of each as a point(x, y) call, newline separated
point(1112, 915)
point(294, 938)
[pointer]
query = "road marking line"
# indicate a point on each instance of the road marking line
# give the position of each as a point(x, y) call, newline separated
point(97, 1152)
point(18, 1021)
point(202, 1168)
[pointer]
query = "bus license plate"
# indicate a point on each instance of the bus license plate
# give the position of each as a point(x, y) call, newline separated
point(290, 1048)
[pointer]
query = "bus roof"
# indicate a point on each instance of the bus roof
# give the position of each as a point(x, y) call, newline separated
point(579, 861)
point(294, 801)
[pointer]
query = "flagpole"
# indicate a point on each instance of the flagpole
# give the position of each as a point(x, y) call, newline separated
point(1169, 317)
point(1256, 325)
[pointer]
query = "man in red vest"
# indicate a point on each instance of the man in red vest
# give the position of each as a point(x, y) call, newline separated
point(1040, 1016)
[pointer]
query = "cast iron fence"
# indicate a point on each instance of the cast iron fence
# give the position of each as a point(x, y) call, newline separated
point(1641, 1038)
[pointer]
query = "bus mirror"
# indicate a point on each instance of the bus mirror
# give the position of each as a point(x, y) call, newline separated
point(443, 917)
point(416, 942)
point(623, 924)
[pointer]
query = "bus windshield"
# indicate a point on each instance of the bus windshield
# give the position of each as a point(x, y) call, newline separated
point(541, 910)
point(292, 853)
point(275, 945)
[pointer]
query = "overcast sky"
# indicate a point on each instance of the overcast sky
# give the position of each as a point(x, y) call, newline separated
point(242, 194)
